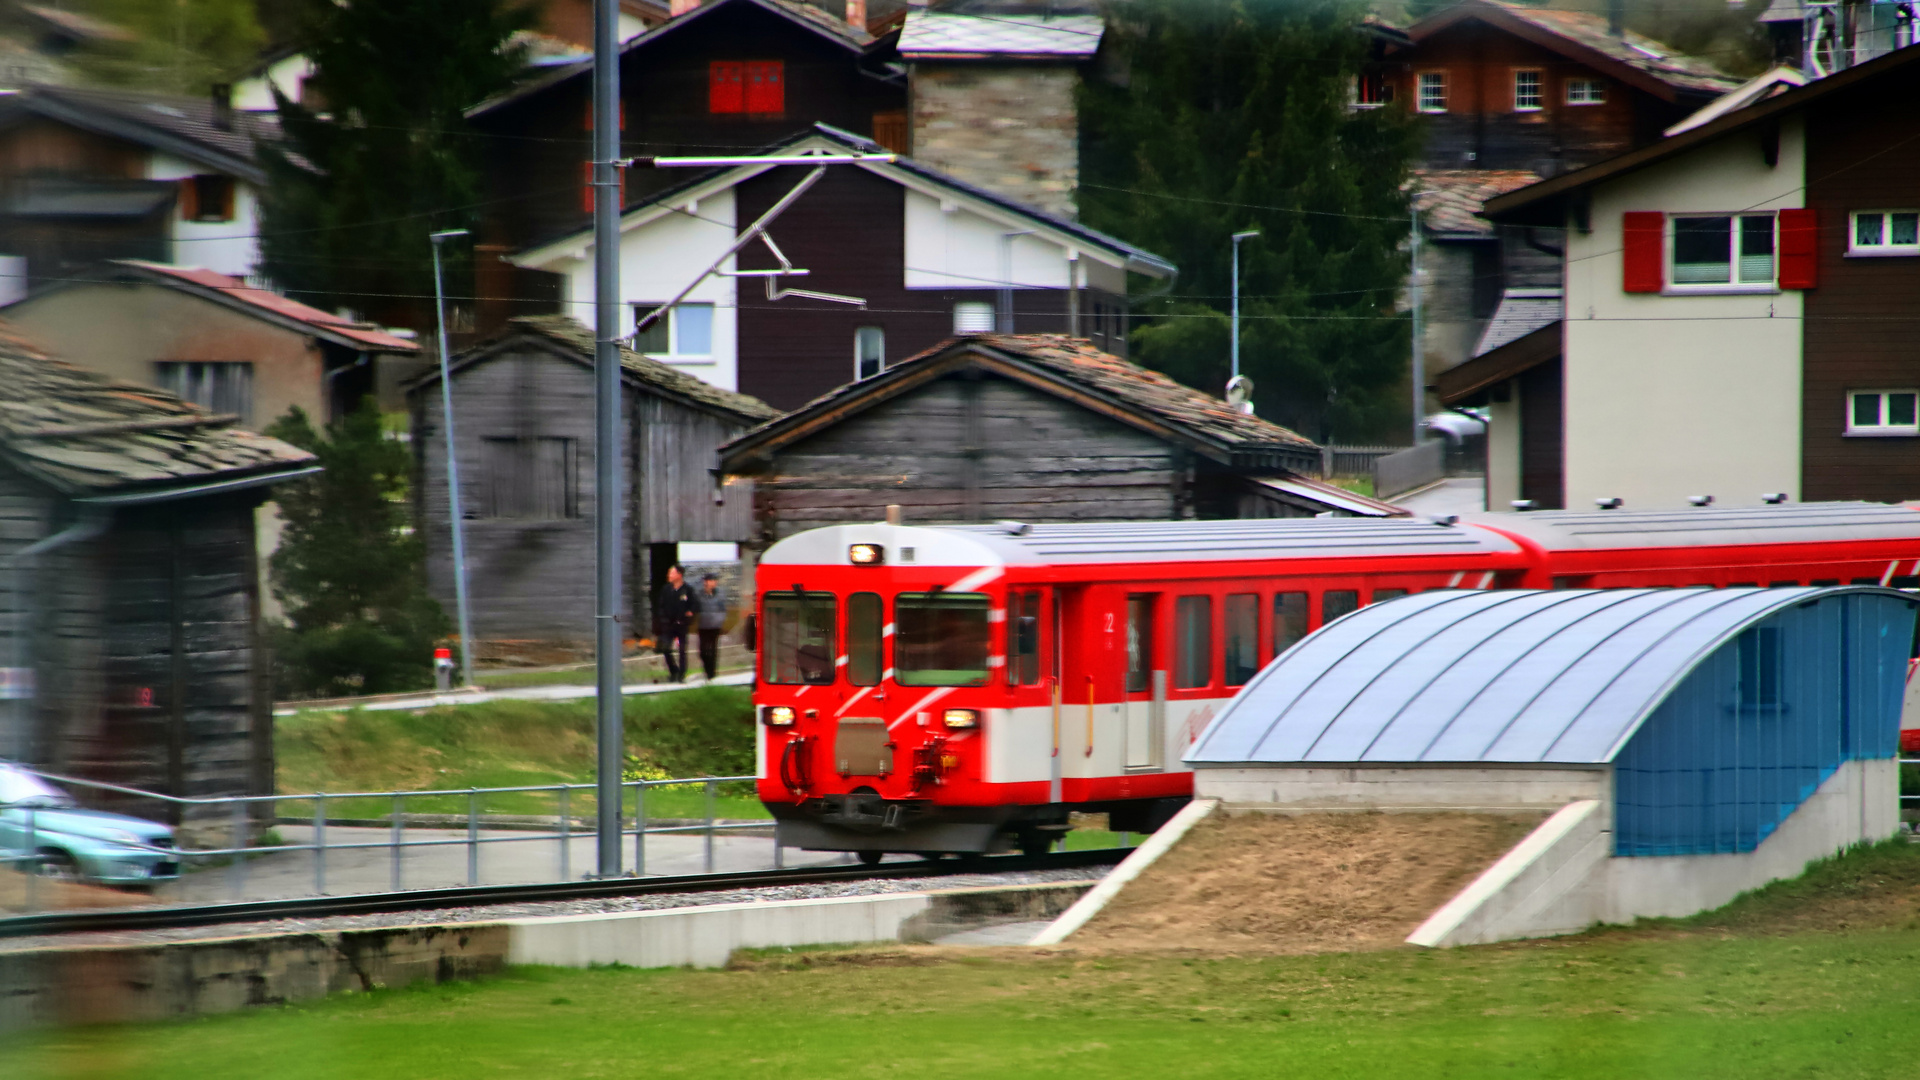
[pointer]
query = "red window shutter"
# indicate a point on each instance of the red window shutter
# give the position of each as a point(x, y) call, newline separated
point(1799, 249)
point(586, 118)
point(586, 186)
point(726, 91)
point(766, 87)
point(189, 199)
point(1643, 258)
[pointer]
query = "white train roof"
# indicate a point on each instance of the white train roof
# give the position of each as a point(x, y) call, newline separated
point(1016, 544)
point(1705, 526)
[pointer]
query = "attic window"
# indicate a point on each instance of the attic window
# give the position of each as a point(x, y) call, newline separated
point(1586, 92)
point(206, 198)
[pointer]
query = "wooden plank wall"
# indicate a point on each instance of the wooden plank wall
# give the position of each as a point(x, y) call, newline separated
point(534, 579)
point(965, 449)
point(1858, 332)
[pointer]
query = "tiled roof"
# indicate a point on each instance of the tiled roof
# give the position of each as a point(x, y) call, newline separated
point(238, 293)
point(932, 35)
point(1521, 312)
point(579, 339)
point(88, 435)
point(182, 125)
point(1658, 59)
point(1449, 199)
point(1053, 359)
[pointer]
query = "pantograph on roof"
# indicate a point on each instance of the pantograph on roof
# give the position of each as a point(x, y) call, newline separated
point(1509, 677)
point(1066, 367)
point(99, 440)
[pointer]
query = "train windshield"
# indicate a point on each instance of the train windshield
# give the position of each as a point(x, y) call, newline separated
point(798, 646)
point(940, 639)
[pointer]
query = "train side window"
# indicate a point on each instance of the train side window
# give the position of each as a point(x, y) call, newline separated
point(1380, 595)
point(865, 618)
point(1782, 584)
point(1243, 638)
point(1337, 602)
point(1139, 642)
point(1023, 639)
point(1866, 581)
point(1193, 642)
point(797, 644)
point(1289, 620)
point(1824, 583)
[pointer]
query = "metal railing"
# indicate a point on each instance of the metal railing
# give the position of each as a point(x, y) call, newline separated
point(243, 819)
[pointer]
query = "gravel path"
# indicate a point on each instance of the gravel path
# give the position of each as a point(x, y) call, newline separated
point(496, 912)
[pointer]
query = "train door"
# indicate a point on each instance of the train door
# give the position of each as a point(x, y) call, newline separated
point(1056, 686)
point(1141, 749)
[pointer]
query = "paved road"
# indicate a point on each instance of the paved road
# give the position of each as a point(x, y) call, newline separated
point(505, 857)
point(1454, 495)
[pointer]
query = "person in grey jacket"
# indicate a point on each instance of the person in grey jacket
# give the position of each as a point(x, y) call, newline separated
point(710, 613)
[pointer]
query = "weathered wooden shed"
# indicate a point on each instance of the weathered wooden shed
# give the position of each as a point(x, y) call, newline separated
point(523, 418)
point(1032, 427)
point(132, 632)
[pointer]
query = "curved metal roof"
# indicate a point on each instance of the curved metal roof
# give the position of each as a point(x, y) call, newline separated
point(1705, 526)
point(1513, 677)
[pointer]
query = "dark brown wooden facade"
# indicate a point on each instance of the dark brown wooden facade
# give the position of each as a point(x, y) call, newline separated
point(1860, 321)
point(524, 422)
point(850, 232)
point(537, 139)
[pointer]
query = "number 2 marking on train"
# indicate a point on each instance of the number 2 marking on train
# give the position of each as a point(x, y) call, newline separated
point(1109, 622)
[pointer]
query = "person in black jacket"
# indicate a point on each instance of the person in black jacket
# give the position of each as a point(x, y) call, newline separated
point(673, 616)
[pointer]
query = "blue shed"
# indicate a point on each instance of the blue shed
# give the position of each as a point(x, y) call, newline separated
point(1701, 717)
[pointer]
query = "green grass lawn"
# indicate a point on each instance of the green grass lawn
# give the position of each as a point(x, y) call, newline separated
point(706, 731)
point(1606, 1008)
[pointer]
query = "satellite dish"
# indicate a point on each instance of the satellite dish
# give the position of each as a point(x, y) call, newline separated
point(1240, 394)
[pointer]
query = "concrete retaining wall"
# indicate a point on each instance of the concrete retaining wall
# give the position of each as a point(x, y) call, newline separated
point(58, 987)
point(1393, 787)
point(1564, 876)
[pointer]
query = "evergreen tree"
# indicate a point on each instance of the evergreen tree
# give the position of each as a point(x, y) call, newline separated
point(179, 46)
point(381, 155)
point(349, 570)
point(1227, 115)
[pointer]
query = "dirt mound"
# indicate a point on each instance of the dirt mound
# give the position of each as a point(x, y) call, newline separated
point(52, 895)
point(1294, 883)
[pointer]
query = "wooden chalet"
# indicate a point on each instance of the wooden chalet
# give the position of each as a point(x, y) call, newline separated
point(1030, 427)
point(523, 410)
point(131, 627)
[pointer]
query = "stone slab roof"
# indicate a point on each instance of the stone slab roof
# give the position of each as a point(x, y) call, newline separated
point(578, 339)
point(183, 126)
point(87, 435)
point(1068, 367)
point(1521, 312)
point(1449, 200)
point(939, 35)
point(1585, 36)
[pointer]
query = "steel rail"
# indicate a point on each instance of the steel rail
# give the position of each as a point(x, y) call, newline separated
point(318, 907)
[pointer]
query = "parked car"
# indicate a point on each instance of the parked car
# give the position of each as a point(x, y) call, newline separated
point(39, 819)
point(1456, 425)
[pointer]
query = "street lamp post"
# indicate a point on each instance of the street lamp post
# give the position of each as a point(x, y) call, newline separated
point(1237, 237)
point(453, 463)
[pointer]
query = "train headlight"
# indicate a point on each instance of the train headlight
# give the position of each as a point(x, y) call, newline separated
point(866, 554)
point(961, 718)
point(777, 716)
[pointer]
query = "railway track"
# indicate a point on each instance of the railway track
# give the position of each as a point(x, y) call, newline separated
point(314, 907)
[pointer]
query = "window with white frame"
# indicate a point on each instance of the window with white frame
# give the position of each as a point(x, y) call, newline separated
point(1586, 92)
point(1883, 412)
point(684, 333)
point(1724, 250)
point(1433, 91)
point(973, 317)
point(1885, 232)
point(1526, 91)
point(869, 351)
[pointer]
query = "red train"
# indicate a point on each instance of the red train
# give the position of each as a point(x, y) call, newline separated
point(963, 688)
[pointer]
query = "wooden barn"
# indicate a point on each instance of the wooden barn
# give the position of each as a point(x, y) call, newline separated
point(132, 632)
point(523, 419)
point(1030, 427)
